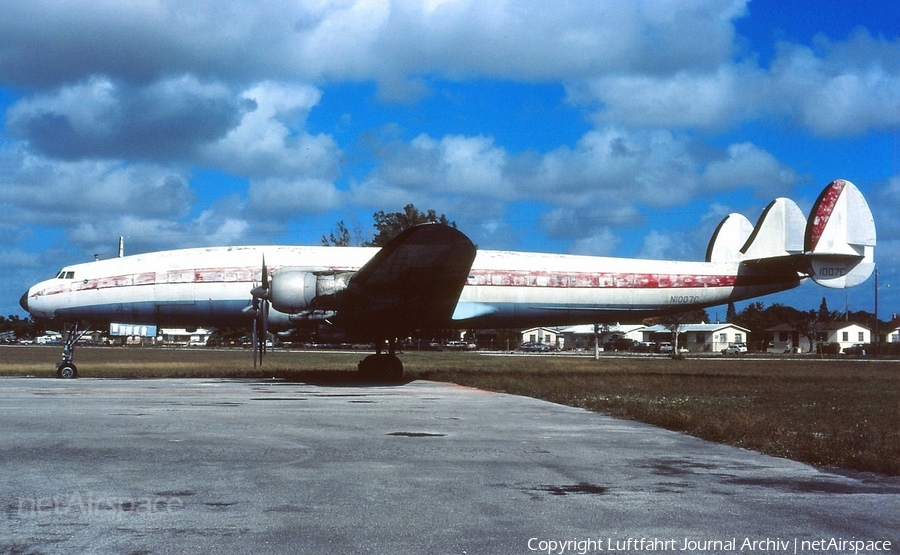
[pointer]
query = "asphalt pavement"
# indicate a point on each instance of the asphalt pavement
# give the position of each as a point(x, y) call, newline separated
point(232, 466)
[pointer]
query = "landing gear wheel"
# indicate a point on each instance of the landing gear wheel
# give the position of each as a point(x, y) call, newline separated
point(66, 371)
point(381, 367)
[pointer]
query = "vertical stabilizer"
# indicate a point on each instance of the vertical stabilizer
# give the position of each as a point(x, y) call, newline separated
point(730, 235)
point(779, 231)
point(840, 237)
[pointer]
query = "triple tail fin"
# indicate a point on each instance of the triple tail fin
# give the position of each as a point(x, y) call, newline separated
point(834, 246)
point(840, 237)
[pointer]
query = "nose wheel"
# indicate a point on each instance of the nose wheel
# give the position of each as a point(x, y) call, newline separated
point(66, 369)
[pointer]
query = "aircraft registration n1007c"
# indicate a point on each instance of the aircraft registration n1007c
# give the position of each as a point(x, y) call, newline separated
point(432, 277)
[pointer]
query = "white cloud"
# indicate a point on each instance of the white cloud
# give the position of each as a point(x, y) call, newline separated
point(747, 165)
point(688, 99)
point(117, 102)
point(601, 243)
point(451, 166)
point(285, 198)
point(359, 40)
point(271, 140)
point(102, 118)
point(839, 88)
point(58, 192)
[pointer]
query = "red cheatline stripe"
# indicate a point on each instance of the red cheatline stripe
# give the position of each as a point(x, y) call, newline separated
point(577, 280)
point(822, 212)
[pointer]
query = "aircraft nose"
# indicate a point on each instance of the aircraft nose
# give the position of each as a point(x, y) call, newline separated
point(23, 302)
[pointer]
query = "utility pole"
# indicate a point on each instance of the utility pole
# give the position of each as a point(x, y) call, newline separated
point(877, 335)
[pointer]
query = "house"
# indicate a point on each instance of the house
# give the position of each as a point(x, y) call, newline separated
point(785, 338)
point(547, 336)
point(698, 338)
point(893, 336)
point(845, 334)
point(582, 337)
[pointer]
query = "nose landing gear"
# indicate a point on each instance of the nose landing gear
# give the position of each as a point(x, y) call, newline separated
point(66, 369)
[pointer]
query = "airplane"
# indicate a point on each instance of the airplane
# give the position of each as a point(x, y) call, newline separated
point(432, 276)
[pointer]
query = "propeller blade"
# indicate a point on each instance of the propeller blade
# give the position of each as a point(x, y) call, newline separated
point(265, 327)
point(255, 341)
point(265, 274)
point(260, 297)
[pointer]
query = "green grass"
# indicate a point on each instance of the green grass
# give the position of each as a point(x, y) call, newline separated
point(830, 413)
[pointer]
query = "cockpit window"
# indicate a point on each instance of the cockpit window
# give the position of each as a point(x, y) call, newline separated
point(63, 274)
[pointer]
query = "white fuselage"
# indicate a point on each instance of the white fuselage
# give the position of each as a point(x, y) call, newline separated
point(211, 286)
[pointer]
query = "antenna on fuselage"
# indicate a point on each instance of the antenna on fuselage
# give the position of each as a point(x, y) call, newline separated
point(121, 246)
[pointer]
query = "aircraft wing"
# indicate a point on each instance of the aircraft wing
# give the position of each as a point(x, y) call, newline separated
point(413, 282)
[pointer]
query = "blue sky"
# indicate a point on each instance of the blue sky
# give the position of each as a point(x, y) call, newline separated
point(610, 128)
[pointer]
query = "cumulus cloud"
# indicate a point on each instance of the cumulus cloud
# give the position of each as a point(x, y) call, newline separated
point(606, 179)
point(102, 118)
point(358, 40)
point(451, 166)
point(834, 88)
point(711, 100)
point(117, 104)
point(284, 198)
point(745, 165)
point(603, 242)
point(271, 141)
point(838, 88)
point(61, 192)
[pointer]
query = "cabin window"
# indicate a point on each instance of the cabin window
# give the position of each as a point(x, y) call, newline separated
point(63, 274)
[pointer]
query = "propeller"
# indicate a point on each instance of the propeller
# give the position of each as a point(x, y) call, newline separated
point(260, 295)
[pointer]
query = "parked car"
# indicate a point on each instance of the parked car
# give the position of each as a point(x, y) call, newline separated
point(856, 349)
point(664, 347)
point(534, 347)
point(735, 349)
point(644, 347)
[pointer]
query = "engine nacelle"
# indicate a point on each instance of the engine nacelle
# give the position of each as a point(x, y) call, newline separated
point(293, 290)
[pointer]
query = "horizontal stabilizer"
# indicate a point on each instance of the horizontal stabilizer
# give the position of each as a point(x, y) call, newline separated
point(840, 237)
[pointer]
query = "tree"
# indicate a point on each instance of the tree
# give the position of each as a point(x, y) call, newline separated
point(730, 312)
point(826, 315)
point(23, 327)
point(389, 225)
point(343, 237)
point(675, 323)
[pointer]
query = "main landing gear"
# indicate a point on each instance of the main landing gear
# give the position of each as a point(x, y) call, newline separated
point(66, 369)
point(380, 366)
